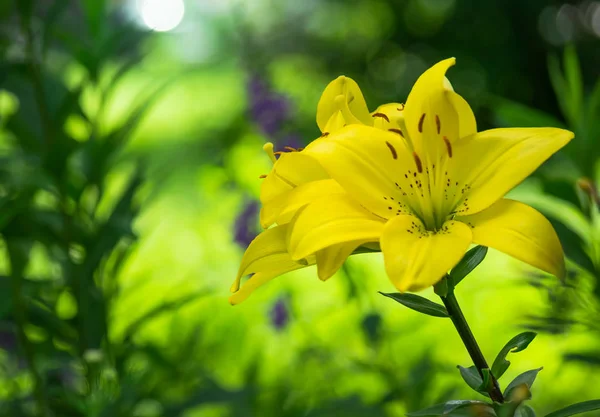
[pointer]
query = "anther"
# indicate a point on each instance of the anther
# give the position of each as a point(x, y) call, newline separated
point(382, 115)
point(438, 124)
point(289, 148)
point(398, 131)
point(262, 176)
point(393, 150)
point(324, 135)
point(401, 108)
point(421, 123)
point(418, 162)
point(448, 146)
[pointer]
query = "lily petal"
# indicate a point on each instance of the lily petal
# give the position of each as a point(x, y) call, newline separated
point(495, 161)
point(305, 194)
point(342, 97)
point(330, 259)
point(268, 258)
point(521, 232)
point(416, 258)
point(434, 113)
point(289, 171)
point(330, 221)
point(371, 165)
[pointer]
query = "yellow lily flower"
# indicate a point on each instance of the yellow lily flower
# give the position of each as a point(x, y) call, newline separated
point(436, 185)
point(418, 179)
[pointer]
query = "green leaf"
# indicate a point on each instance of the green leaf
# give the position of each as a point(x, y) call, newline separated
point(526, 378)
point(574, 83)
point(468, 263)
point(451, 409)
point(576, 409)
point(514, 345)
point(418, 303)
point(525, 411)
point(473, 379)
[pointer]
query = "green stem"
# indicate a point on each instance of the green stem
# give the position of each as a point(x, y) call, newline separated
point(461, 325)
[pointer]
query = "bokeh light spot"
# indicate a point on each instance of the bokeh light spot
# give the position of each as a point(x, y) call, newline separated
point(161, 15)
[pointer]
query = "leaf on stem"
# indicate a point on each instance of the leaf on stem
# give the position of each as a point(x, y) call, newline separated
point(514, 345)
point(418, 303)
point(526, 378)
point(468, 263)
point(456, 408)
point(473, 379)
point(576, 409)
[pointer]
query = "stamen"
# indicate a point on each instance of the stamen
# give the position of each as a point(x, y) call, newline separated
point(401, 108)
point(392, 150)
point(421, 123)
point(382, 115)
point(438, 124)
point(418, 162)
point(268, 148)
point(289, 148)
point(278, 153)
point(448, 146)
point(262, 176)
point(324, 135)
point(398, 131)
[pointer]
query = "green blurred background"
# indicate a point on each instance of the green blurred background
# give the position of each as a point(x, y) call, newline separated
point(130, 151)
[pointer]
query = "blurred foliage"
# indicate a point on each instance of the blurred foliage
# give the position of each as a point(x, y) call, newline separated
point(129, 164)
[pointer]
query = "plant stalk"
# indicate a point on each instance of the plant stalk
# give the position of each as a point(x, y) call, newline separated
point(466, 335)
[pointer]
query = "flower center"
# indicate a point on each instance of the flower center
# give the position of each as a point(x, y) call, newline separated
point(427, 189)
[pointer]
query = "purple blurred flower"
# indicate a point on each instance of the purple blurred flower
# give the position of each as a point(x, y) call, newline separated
point(268, 109)
point(246, 224)
point(280, 316)
point(8, 340)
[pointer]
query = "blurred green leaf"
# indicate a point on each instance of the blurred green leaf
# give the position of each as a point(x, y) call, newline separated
point(576, 409)
point(468, 263)
point(418, 303)
point(574, 84)
point(511, 113)
point(514, 345)
point(526, 378)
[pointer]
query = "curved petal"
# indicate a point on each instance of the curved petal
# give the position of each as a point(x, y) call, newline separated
point(373, 166)
point(289, 171)
point(416, 258)
point(330, 259)
point(491, 163)
point(330, 221)
point(267, 257)
point(434, 113)
point(342, 95)
point(521, 232)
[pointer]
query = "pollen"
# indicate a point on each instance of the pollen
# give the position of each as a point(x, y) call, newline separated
point(418, 162)
point(382, 115)
point(438, 123)
point(448, 146)
point(392, 150)
point(421, 120)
